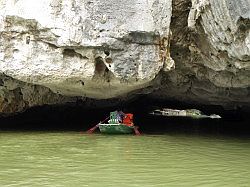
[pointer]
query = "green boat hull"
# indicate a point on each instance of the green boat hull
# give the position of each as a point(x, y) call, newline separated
point(115, 129)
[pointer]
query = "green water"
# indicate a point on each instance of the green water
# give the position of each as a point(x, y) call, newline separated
point(74, 159)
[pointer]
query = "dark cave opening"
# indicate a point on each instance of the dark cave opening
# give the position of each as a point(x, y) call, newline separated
point(77, 118)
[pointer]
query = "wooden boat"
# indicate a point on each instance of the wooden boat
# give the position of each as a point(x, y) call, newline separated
point(115, 126)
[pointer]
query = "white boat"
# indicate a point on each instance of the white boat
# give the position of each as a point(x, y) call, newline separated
point(193, 113)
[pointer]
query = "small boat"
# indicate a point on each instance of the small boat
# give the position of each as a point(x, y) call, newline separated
point(192, 113)
point(116, 129)
point(117, 125)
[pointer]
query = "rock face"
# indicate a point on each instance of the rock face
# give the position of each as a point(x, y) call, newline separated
point(98, 49)
point(106, 49)
point(210, 46)
point(15, 96)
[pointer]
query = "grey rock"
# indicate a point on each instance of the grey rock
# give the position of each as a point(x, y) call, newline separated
point(55, 51)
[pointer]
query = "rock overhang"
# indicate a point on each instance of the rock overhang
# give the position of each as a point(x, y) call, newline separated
point(107, 49)
point(59, 44)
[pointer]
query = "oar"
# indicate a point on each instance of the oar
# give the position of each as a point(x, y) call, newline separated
point(137, 133)
point(90, 131)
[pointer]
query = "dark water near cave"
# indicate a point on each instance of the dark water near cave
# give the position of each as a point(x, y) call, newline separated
point(75, 159)
point(44, 147)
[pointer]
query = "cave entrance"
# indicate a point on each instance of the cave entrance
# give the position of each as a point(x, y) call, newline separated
point(76, 117)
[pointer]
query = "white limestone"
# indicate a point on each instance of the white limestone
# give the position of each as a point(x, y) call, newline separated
point(226, 24)
point(51, 50)
point(57, 44)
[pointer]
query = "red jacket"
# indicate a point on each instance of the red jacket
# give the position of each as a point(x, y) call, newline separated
point(128, 119)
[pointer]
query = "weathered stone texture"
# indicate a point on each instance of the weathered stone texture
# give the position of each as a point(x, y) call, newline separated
point(107, 49)
point(211, 49)
point(98, 49)
point(16, 96)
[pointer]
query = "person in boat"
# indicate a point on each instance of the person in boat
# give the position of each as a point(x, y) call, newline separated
point(120, 116)
point(128, 119)
point(116, 117)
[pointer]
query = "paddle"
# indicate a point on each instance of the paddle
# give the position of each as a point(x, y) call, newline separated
point(90, 131)
point(137, 133)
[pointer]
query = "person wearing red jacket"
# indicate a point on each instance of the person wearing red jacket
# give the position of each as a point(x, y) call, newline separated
point(128, 119)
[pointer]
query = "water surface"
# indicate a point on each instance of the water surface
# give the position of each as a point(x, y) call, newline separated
point(74, 159)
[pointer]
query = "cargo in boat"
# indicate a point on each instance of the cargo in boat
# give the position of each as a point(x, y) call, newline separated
point(119, 123)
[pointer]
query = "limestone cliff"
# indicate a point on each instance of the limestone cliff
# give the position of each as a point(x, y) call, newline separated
point(56, 50)
point(210, 46)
